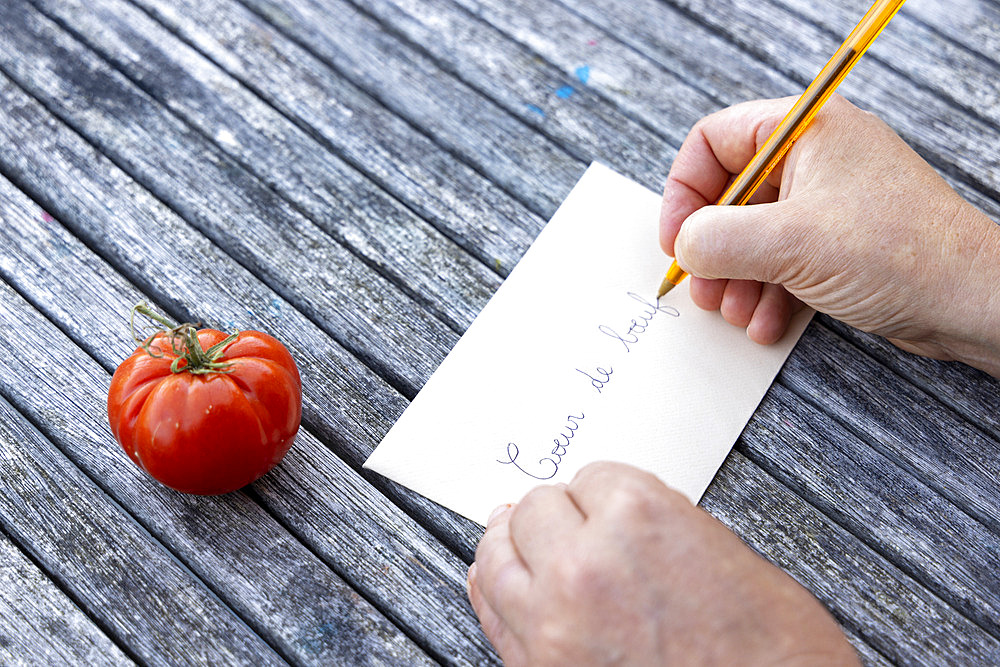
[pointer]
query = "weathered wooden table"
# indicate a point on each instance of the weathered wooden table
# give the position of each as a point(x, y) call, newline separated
point(357, 177)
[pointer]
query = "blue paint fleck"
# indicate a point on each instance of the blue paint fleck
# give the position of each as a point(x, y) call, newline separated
point(538, 110)
point(583, 74)
point(60, 248)
point(564, 92)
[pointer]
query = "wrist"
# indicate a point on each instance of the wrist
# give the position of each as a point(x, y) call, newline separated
point(971, 297)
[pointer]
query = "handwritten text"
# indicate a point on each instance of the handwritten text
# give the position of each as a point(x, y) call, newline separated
point(638, 325)
point(548, 464)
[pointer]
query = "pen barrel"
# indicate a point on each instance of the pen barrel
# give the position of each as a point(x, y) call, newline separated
point(808, 105)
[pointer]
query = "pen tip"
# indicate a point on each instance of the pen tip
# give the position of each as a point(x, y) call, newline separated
point(665, 287)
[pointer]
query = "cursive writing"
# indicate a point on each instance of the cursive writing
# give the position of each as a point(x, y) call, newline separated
point(549, 464)
point(639, 324)
point(598, 382)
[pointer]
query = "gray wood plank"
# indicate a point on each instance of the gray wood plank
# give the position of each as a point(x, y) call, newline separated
point(866, 593)
point(38, 623)
point(271, 580)
point(556, 102)
point(974, 25)
point(969, 392)
point(510, 152)
point(677, 41)
point(360, 534)
point(455, 116)
point(942, 132)
point(951, 455)
point(242, 215)
point(662, 91)
point(114, 568)
point(346, 405)
point(946, 50)
point(876, 499)
point(663, 97)
point(417, 258)
point(449, 194)
point(635, 50)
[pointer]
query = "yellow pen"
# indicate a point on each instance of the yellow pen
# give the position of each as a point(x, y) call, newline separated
point(798, 118)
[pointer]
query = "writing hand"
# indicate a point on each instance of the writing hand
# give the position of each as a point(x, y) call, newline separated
point(618, 568)
point(853, 223)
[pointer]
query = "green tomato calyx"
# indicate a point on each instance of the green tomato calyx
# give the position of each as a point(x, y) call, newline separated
point(189, 355)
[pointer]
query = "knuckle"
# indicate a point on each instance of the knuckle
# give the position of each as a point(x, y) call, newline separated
point(633, 500)
point(575, 577)
point(501, 575)
point(529, 507)
point(591, 472)
point(644, 496)
point(532, 499)
point(698, 129)
point(554, 643)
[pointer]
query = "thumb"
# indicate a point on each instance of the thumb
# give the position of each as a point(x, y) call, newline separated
point(756, 242)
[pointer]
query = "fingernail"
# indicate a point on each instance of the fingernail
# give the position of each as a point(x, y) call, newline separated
point(497, 512)
point(469, 578)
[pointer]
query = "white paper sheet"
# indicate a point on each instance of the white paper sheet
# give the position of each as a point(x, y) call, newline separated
point(573, 361)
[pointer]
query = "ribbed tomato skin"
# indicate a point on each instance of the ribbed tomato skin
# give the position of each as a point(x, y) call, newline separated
point(212, 433)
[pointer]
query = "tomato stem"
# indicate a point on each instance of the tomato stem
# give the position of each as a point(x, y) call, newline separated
point(189, 355)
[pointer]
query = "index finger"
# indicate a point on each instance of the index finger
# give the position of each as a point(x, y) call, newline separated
point(717, 148)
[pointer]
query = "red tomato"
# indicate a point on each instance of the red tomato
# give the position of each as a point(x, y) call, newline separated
point(210, 431)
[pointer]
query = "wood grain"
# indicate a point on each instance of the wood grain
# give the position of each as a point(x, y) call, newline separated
point(39, 624)
point(386, 235)
point(877, 602)
point(513, 155)
point(312, 491)
point(196, 281)
point(114, 568)
point(554, 102)
point(371, 129)
point(356, 178)
point(357, 307)
point(877, 499)
point(969, 392)
point(952, 455)
point(667, 89)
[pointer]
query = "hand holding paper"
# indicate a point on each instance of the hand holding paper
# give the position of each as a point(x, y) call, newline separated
point(574, 360)
point(616, 567)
